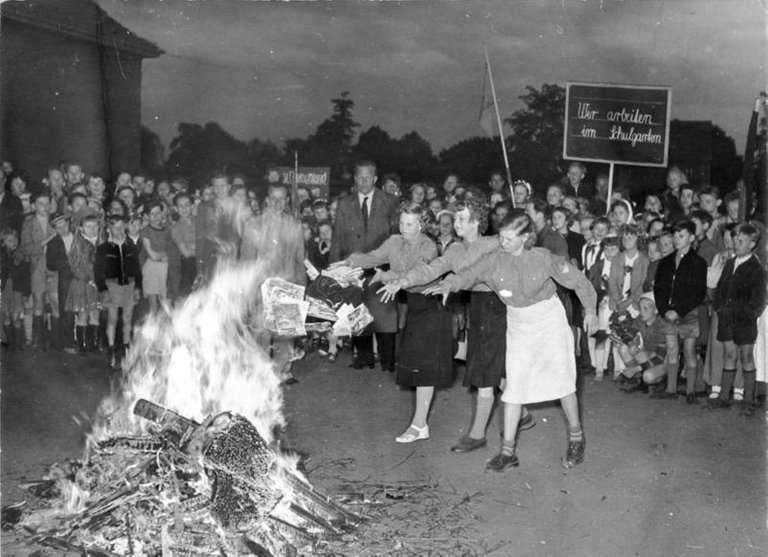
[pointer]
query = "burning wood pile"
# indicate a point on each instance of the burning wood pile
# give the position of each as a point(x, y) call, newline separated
point(186, 488)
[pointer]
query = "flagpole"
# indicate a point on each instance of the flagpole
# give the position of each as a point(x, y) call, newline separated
point(498, 121)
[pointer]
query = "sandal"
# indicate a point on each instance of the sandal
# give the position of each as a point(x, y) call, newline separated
point(413, 433)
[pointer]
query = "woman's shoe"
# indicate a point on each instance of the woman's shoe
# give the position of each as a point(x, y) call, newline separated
point(501, 461)
point(413, 433)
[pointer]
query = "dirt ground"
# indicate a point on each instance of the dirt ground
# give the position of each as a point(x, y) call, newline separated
point(660, 478)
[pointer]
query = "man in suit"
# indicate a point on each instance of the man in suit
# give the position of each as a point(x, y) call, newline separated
point(363, 221)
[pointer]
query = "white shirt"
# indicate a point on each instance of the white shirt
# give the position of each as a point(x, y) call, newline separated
point(68, 239)
point(360, 198)
point(739, 260)
point(626, 287)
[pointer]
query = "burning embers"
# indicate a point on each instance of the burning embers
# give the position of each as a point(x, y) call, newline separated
point(191, 489)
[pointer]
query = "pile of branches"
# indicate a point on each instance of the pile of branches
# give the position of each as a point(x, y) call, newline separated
point(185, 489)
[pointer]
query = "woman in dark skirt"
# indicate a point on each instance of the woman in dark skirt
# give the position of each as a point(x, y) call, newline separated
point(486, 333)
point(426, 357)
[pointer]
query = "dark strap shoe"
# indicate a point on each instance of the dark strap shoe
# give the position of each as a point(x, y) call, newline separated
point(501, 461)
point(575, 454)
point(467, 444)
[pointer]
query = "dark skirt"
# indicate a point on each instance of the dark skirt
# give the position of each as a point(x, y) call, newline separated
point(426, 355)
point(486, 341)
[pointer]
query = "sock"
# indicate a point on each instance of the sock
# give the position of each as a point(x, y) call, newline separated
point(749, 385)
point(726, 382)
point(738, 394)
point(482, 413)
point(575, 433)
point(715, 391)
point(508, 448)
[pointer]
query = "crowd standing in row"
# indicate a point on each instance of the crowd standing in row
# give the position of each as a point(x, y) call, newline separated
point(630, 293)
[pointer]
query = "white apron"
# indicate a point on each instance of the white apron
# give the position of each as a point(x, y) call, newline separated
point(540, 359)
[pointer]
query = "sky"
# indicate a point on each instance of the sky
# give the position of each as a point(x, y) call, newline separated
point(269, 69)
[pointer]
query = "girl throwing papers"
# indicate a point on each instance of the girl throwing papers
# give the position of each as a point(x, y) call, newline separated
point(540, 363)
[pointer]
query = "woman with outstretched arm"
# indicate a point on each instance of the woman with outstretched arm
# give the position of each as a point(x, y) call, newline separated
point(540, 363)
point(486, 333)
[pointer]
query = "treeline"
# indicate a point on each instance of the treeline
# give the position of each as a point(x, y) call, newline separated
point(534, 144)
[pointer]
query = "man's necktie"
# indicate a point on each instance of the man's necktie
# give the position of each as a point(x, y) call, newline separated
point(365, 212)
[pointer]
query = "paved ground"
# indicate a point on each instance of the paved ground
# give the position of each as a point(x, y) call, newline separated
point(660, 479)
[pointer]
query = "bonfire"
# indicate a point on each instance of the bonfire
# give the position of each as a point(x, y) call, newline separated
point(184, 458)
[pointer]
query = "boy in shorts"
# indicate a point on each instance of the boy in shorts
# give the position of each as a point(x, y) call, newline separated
point(644, 354)
point(679, 288)
point(739, 301)
point(117, 274)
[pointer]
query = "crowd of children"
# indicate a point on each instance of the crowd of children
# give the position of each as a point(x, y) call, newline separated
point(681, 285)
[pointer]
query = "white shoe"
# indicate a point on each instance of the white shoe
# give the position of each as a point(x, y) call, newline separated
point(413, 433)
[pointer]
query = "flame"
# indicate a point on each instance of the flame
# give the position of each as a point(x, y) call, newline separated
point(201, 358)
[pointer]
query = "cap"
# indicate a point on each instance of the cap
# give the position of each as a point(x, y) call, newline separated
point(611, 240)
point(60, 217)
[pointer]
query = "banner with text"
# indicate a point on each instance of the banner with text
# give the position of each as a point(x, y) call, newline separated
point(617, 123)
point(315, 179)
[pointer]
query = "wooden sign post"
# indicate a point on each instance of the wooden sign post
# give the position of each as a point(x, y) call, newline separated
point(623, 124)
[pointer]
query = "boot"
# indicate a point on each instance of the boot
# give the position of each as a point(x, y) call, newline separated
point(112, 356)
point(10, 337)
point(55, 333)
point(80, 339)
point(92, 338)
point(19, 338)
point(8, 331)
point(40, 334)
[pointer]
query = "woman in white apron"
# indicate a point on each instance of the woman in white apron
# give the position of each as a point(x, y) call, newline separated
point(540, 362)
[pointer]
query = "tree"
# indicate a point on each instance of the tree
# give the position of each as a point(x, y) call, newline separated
point(536, 142)
point(331, 144)
point(410, 156)
point(152, 152)
point(198, 150)
point(472, 159)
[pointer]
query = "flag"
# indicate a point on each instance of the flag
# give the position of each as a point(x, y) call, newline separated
point(748, 169)
point(486, 108)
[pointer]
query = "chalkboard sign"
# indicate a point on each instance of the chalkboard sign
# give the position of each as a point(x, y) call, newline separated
point(617, 123)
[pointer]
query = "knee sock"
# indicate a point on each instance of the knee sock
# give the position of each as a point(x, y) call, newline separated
point(690, 378)
point(672, 369)
point(482, 413)
point(726, 382)
point(749, 385)
point(738, 394)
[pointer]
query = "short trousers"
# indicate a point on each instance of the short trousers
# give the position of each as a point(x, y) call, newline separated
point(119, 295)
point(685, 328)
point(734, 326)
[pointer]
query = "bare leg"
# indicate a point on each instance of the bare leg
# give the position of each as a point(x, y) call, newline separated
point(111, 325)
point(423, 401)
point(483, 408)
